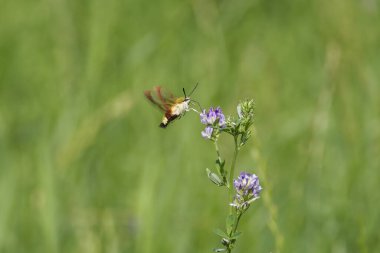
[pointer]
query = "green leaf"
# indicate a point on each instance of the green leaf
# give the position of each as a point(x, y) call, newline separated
point(221, 233)
point(236, 235)
point(230, 223)
point(214, 178)
point(220, 163)
point(220, 166)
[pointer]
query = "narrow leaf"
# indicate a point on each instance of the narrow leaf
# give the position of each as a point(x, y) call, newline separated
point(230, 223)
point(236, 235)
point(214, 178)
point(219, 166)
point(221, 233)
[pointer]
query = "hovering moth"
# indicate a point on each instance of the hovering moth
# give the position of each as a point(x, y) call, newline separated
point(172, 106)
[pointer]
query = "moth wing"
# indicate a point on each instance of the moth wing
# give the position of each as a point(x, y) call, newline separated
point(161, 97)
point(149, 95)
point(164, 96)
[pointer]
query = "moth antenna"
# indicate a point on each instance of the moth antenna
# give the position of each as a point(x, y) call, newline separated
point(191, 93)
point(184, 92)
point(200, 107)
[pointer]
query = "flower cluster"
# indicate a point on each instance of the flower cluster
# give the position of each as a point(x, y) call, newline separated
point(244, 189)
point(248, 189)
point(214, 120)
point(246, 110)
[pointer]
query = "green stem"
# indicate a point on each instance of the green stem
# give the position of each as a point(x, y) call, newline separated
point(232, 171)
point(233, 231)
point(237, 224)
point(230, 186)
point(217, 150)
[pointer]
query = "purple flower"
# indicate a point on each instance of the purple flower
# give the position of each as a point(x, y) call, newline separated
point(212, 116)
point(248, 189)
point(207, 133)
point(204, 117)
point(247, 185)
point(213, 119)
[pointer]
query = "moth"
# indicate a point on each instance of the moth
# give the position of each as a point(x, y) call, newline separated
point(172, 106)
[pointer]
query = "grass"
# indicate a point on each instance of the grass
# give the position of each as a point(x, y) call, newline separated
point(84, 167)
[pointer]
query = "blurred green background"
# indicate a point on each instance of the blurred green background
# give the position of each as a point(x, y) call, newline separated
point(85, 168)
